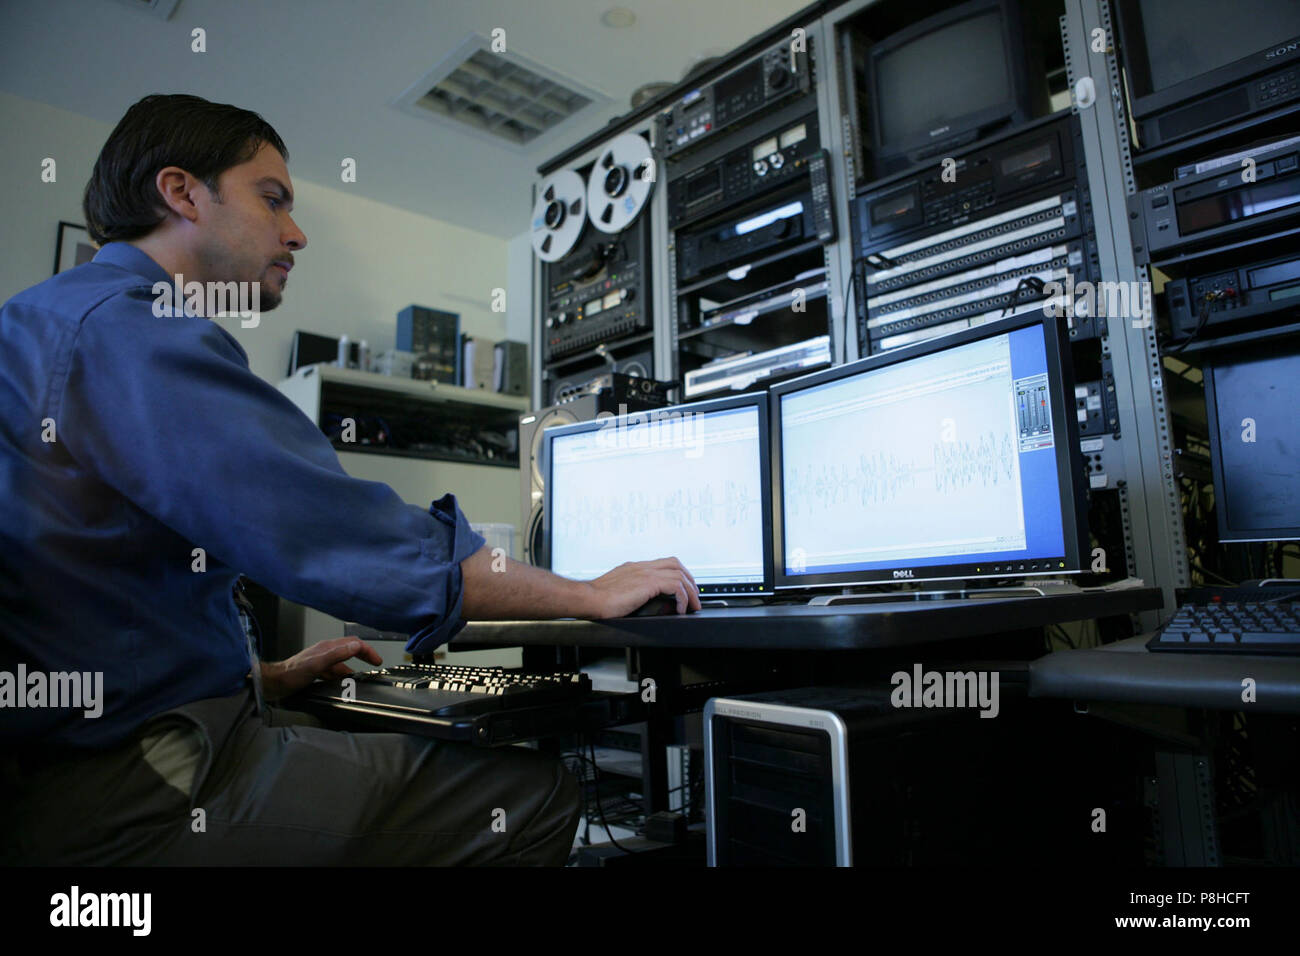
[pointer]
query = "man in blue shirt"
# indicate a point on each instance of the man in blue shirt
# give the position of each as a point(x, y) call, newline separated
point(143, 466)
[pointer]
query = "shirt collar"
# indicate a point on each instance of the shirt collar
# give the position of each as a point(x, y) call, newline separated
point(126, 256)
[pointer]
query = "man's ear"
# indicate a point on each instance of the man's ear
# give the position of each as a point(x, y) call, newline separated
point(176, 189)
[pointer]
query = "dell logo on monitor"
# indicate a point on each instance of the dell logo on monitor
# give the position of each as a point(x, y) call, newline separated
point(903, 574)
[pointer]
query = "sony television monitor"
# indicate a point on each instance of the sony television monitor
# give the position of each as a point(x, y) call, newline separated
point(955, 458)
point(944, 82)
point(1191, 65)
point(688, 481)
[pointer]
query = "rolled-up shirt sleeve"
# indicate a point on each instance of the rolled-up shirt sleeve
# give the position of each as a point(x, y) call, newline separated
point(167, 411)
point(464, 542)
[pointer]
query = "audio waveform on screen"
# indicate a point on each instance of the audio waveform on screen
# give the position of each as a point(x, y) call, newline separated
point(642, 513)
point(959, 465)
point(880, 479)
point(875, 480)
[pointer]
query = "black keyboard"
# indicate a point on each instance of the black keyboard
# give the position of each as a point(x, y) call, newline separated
point(445, 690)
point(1240, 627)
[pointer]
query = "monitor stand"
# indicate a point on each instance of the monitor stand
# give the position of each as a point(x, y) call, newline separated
point(1039, 589)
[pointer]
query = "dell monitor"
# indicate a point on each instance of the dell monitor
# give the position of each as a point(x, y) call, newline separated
point(955, 458)
point(1253, 401)
point(689, 481)
point(943, 82)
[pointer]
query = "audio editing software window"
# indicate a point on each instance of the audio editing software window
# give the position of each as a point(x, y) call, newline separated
point(1034, 412)
point(652, 485)
point(942, 459)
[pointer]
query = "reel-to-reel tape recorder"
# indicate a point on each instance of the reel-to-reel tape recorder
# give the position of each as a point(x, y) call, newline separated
point(592, 234)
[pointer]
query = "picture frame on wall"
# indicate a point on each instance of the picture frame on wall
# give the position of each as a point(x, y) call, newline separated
point(73, 247)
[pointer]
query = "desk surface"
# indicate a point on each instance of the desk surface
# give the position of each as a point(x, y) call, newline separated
point(1126, 671)
point(799, 627)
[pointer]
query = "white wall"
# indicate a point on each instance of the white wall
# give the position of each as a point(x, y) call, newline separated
point(364, 261)
point(519, 311)
point(32, 209)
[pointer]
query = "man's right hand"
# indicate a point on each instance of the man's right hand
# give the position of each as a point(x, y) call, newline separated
point(621, 591)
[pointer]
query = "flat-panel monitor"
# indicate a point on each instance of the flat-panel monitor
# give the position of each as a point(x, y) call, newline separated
point(688, 481)
point(953, 458)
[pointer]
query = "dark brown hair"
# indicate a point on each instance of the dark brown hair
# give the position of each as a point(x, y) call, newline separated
point(202, 138)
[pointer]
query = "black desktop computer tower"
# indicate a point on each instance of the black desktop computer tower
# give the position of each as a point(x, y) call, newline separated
point(839, 776)
point(787, 773)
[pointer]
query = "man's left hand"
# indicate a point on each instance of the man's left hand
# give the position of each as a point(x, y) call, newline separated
point(324, 660)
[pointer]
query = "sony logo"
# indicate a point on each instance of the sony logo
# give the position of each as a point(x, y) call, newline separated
point(1282, 50)
point(903, 574)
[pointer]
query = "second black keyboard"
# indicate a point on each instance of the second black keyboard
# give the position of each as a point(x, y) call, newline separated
point(1240, 627)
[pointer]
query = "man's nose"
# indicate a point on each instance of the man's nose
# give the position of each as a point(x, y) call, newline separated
point(295, 238)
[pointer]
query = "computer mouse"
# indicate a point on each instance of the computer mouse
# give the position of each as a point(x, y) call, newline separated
point(659, 604)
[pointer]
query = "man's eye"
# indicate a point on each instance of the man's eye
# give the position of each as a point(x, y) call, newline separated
point(273, 201)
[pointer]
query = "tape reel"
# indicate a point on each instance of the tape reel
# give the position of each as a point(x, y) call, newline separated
point(637, 366)
point(559, 215)
point(620, 183)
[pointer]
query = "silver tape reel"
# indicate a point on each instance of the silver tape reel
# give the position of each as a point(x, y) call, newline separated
point(620, 183)
point(559, 215)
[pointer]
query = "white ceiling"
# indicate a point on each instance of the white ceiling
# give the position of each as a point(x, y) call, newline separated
point(324, 73)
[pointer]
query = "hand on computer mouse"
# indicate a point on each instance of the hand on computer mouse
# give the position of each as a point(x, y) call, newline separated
point(635, 584)
point(659, 604)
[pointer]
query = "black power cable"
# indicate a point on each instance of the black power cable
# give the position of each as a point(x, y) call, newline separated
point(850, 288)
point(1203, 316)
point(600, 807)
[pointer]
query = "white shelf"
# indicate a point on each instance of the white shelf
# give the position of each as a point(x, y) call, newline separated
point(430, 391)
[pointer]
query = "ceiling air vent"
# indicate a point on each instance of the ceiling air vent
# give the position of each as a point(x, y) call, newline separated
point(501, 95)
point(162, 9)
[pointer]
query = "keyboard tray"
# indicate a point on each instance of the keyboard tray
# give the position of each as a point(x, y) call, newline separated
point(510, 724)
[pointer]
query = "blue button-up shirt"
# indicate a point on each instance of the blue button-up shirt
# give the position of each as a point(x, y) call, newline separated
point(127, 441)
